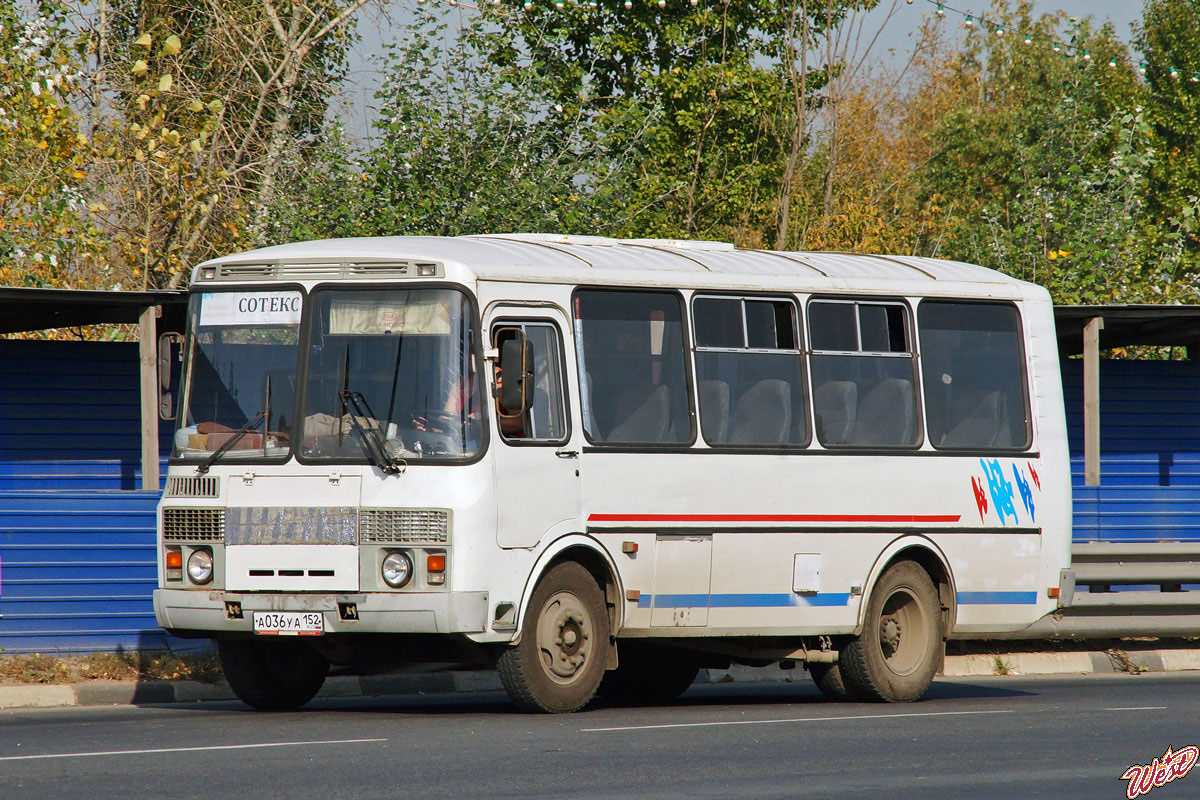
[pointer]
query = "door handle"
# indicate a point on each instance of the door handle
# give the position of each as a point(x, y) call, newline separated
point(567, 453)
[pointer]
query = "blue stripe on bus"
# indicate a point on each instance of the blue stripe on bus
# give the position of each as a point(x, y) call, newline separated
point(783, 600)
point(997, 598)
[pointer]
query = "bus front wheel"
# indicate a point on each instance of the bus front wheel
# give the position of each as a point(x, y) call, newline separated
point(561, 657)
point(896, 656)
point(272, 675)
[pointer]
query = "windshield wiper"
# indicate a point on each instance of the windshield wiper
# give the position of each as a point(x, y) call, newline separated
point(250, 424)
point(369, 438)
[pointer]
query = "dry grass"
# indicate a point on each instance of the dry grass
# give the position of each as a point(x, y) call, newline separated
point(38, 668)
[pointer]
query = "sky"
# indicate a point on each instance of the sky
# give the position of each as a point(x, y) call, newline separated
point(896, 20)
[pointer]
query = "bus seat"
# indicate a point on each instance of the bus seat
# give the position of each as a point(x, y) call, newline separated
point(980, 428)
point(648, 423)
point(763, 414)
point(886, 414)
point(714, 410)
point(836, 406)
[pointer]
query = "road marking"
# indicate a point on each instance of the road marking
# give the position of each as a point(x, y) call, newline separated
point(794, 719)
point(186, 749)
point(1139, 708)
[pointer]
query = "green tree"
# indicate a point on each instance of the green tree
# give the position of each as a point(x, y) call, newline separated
point(733, 81)
point(465, 144)
point(1169, 39)
point(1045, 160)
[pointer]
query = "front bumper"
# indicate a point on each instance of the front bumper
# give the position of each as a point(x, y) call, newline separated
point(203, 612)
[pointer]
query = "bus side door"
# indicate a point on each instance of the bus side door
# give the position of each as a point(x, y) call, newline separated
point(536, 456)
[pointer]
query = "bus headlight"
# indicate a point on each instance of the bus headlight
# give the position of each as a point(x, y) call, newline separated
point(200, 566)
point(397, 569)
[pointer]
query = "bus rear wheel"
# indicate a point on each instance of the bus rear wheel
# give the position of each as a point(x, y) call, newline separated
point(896, 656)
point(272, 675)
point(561, 657)
point(828, 678)
point(649, 675)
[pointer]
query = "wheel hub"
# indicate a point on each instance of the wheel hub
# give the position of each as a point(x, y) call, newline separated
point(564, 637)
point(889, 633)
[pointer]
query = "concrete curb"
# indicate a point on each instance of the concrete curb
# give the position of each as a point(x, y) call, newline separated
point(101, 693)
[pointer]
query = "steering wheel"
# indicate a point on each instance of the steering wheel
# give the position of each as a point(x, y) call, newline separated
point(436, 421)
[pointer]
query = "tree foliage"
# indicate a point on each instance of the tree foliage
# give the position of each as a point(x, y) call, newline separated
point(1170, 41)
point(138, 137)
point(44, 154)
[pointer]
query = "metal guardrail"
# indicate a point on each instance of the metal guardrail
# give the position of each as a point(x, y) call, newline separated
point(1108, 609)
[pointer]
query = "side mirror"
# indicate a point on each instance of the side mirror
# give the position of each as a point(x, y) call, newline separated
point(516, 372)
point(170, 350)
point(166, 356)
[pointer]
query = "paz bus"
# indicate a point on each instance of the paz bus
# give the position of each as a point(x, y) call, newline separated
point(601, 465)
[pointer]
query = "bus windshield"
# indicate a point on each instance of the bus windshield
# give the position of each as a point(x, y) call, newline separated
point(391, 371)
point(239, 389)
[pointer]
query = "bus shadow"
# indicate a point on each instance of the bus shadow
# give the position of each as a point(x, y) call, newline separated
point(745, 694)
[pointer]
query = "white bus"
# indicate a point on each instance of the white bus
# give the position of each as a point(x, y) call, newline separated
point(602, 464)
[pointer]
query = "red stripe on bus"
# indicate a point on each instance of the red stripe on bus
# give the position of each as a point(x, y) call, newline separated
point(774, 517)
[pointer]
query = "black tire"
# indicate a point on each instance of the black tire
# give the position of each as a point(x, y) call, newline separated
point(648, 675)
point(895, 658)
point(561, 657)
point(828, 678)
point(276, 675)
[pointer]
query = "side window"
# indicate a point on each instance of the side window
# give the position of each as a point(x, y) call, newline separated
point(749, 372)
point(863, 374)
point(974, 368)
point(545, 420)
point(632, 367)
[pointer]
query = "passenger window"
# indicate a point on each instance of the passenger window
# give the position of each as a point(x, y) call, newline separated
point(833, 327)
point(974, 369)
point(750, 373)
point(544, 421)
point(632, 367)
point(863, 374)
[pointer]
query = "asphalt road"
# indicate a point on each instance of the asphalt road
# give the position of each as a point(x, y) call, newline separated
point(1005, 737)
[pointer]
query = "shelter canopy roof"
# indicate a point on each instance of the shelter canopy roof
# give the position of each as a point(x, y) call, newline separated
point(28, 309)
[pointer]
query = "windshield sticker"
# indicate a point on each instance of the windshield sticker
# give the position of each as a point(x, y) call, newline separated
point(368, 315)
point(250, 308)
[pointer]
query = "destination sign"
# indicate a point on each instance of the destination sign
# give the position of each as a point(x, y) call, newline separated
point(250, 308)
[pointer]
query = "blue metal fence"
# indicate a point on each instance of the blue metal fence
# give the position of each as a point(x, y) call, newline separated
point(1149, 452)
point(77, 555)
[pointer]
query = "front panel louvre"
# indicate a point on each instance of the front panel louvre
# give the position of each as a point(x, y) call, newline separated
point(193, 525)
point(198, 486)
point(404, 526)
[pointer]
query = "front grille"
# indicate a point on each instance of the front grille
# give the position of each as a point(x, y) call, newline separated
point(403, 526)
point(200, 486)
point(193, 524)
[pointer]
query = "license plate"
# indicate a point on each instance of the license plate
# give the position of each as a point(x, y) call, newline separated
point(289, 623)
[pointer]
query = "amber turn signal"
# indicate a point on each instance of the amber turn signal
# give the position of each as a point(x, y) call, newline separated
point(436, 563)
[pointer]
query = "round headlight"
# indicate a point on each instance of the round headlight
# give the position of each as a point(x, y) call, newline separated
point(397, 569)
point(200, 566)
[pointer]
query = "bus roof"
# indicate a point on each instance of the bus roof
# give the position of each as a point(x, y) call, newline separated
point(583, 259)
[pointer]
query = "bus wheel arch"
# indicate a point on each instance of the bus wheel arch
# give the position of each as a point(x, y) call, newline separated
point(935, 563)
point(565, 641)
point(588, 553)
point(903, 625)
